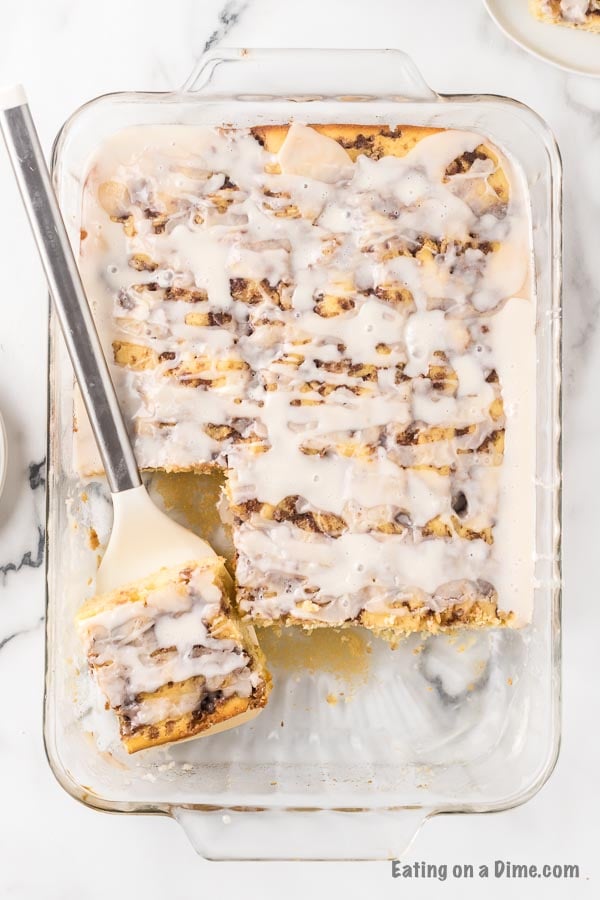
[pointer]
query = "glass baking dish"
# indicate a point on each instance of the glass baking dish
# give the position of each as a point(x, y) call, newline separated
point(467, 724)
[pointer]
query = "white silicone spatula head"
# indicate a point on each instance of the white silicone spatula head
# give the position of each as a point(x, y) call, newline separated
point(143, 538)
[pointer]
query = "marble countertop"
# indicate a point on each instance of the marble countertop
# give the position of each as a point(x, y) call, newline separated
point(67, 52)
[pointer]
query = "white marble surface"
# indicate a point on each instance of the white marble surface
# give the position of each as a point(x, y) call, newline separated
point(67, 52)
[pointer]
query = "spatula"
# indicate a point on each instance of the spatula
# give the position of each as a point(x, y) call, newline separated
point(143, 539)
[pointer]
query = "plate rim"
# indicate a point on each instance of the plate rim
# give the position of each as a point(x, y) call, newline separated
point(566, 67)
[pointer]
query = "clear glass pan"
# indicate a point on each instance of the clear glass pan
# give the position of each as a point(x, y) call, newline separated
point(435, 726)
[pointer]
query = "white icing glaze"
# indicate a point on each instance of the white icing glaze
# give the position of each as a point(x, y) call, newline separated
point(513, 344)
point(325, 407)
point(571, 10)
point(307, 153)
point(139, 646)
point(353, 572)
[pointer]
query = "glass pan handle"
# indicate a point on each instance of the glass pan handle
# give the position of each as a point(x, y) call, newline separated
point(310, 74)
point(271, 834)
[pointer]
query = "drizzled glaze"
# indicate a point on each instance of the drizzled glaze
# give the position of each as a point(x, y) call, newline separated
point(169, 633)
point(339, 336)
point(571, 10)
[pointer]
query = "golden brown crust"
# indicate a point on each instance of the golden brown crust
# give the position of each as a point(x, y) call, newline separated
point(198, 468)
point(479, 613)
point(374, 141)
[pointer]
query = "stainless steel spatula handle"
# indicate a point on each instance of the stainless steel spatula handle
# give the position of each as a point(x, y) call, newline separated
point(67, 291)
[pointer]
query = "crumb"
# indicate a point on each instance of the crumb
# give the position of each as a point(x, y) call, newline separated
point(332, 699)
point(93, 540)
point(509, 682)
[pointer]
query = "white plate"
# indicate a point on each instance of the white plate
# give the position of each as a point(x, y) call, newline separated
point(568, 48)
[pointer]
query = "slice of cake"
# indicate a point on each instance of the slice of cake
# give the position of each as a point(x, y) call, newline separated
point(171, 658)
point(584, 14)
